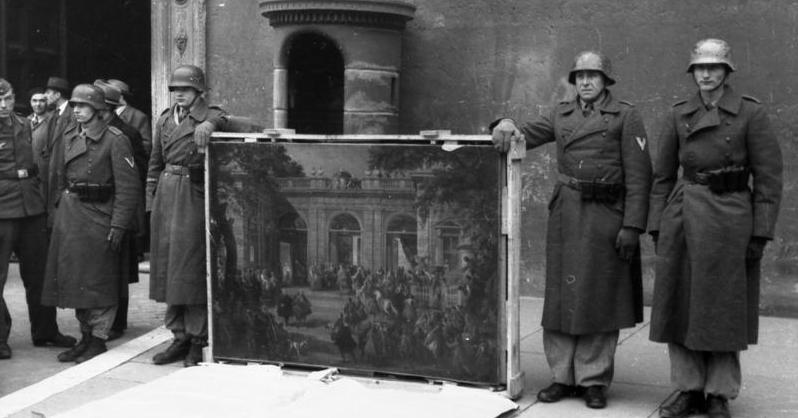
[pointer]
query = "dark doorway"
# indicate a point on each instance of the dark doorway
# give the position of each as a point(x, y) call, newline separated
point(315, 85)
point(110, 39)
point(81, 40)
point(30, 44)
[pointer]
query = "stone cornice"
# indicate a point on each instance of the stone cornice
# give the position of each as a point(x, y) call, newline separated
point(379, 13)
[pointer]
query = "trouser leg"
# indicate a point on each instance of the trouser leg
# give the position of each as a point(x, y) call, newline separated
point(723, 374)
point(174, 321)
point(559, 348)
point(31, 249)
point(96, 321)
point(8, 234)
point(688, 368)
point(594, 359)
point(195, 318)
point(120, 322)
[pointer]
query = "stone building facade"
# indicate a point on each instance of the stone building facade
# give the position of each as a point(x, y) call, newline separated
point(403, 66)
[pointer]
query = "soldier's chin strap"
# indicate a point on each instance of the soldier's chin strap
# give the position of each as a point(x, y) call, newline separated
point(188, 108)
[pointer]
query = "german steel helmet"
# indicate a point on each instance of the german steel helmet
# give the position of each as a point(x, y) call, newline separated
point(188, 76)
point(711, 51)
point(112, 94)
point(592, 61)
point(88, 94)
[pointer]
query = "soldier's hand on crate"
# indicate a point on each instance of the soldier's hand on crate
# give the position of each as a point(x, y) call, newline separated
point(202, 133)
point(504, 133)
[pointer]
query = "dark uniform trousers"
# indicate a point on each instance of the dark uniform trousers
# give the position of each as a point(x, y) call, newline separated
point(22, 228)
point(581, 360)
point(187, 321)
point(27, 237)
point(713, 372)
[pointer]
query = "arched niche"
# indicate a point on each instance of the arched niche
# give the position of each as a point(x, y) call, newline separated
point(368, 33)
point(315, 84)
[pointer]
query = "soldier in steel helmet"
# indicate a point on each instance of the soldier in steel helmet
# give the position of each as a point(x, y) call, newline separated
point(597, 211)
point(175, 194)
point(715, 199)
point(94, 212)
point(23, 226)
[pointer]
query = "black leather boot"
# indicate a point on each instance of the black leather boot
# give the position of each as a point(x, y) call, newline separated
point(95, 348)
point(73, 353)
point(194, 355)
point(595, 397)
point(717, 407)
point(686, 404)
point(176, 351)
point(555, 392)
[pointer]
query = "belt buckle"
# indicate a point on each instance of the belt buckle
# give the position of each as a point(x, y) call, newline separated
point(22, 173)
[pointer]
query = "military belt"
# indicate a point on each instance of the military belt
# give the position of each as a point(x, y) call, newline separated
point(21, 173)
point(722, 180)
point(91, 192)
point(180, 170)
point(195, 172)
point(594, 190)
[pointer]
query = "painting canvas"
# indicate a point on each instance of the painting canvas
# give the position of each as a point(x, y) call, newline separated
point(371, 258)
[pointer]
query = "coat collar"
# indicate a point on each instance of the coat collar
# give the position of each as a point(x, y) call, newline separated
point(729, 102)
point(606, 104)
point(94, 129)
point(698, 117)
point(198, 111)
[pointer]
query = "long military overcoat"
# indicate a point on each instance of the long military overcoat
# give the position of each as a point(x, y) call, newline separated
point(58, 125)
point(706, 294)
point(83, 271)
point(589, 288)
point(177, 240)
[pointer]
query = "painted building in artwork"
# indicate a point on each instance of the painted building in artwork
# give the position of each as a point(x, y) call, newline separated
point(341, 220)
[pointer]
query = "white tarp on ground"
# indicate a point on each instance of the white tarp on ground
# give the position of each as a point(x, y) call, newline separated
point(216, 390)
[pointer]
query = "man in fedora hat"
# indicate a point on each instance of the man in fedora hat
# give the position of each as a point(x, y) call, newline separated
point(57, 93)
point(132, 116)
